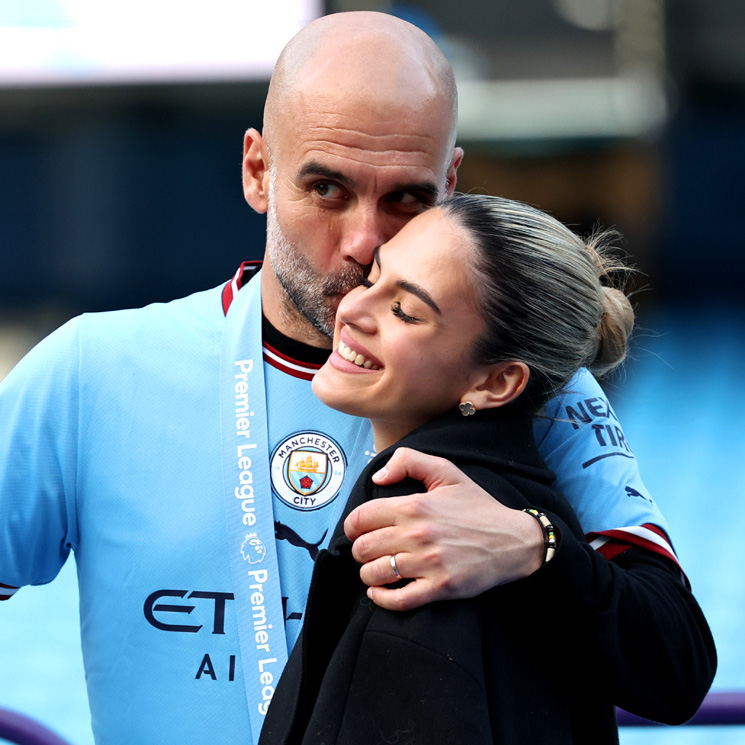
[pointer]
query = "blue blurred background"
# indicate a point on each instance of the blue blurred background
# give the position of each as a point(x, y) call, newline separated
point(119, 189)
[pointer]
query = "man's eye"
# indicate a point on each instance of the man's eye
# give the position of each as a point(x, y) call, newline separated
point(409, 200)
point(328, 190)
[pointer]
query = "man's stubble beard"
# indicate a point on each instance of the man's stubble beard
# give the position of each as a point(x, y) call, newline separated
point(310, 293)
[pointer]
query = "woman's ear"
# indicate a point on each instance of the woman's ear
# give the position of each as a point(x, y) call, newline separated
point(256, 171)
point(498, 385)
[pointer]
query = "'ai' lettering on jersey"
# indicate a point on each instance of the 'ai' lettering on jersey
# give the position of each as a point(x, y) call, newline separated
point(307, 470)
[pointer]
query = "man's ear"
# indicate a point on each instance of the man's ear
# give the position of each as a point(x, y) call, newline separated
point(498, 385)
point(256, 171)
point(452, 174)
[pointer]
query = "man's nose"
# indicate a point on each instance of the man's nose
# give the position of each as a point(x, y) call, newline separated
point(365, 229)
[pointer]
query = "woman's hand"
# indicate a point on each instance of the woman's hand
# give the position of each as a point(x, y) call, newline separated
point(452, 541)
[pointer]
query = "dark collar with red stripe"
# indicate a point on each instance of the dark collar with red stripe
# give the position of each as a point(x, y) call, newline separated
point(245, 271)
point(286, 354)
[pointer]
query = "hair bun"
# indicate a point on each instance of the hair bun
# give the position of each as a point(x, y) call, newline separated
point(614, 331)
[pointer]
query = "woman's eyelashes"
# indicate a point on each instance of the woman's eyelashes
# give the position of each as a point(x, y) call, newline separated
point(399, 312)
point(396, 308)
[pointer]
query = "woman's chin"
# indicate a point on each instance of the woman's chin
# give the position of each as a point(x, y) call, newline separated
point(328, 388)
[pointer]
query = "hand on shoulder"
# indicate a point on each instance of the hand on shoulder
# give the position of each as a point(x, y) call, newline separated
point(453, 540)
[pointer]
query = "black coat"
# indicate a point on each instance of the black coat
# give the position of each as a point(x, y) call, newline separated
point(543, 659)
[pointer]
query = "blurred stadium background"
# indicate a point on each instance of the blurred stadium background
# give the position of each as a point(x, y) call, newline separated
point(120, 185)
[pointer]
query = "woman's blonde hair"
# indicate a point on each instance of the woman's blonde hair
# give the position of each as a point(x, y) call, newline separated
point(550, 299)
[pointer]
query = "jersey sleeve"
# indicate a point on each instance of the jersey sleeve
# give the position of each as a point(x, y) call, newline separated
point(38, 460)
point(582, 441)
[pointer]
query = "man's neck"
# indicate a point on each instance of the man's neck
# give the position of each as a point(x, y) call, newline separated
point(292, 348)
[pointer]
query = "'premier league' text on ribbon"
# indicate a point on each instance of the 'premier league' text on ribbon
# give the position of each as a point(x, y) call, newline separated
point(244, 491)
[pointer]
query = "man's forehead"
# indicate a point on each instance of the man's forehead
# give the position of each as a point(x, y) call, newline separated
point(350, 152)
point(368, 120)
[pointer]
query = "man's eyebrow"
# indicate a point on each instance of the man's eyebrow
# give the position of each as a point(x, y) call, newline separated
point(314, 168)
point(411, 287)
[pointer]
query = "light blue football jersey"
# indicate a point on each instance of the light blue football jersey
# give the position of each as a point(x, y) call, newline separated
point(111, 447)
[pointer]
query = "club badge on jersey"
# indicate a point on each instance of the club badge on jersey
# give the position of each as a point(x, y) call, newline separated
point(307, 470)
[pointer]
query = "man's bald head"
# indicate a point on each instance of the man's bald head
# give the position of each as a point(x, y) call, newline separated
point(391, 65)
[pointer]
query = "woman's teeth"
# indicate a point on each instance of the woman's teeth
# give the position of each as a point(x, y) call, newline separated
point(355, 357)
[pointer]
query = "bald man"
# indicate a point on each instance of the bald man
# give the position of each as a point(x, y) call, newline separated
point(179, 451)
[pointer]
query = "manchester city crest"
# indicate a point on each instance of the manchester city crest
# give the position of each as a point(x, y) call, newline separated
point(307, 470)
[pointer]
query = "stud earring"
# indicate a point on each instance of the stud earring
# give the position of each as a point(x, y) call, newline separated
point(467, 408)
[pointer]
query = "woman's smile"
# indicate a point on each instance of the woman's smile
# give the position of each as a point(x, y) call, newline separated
point(351, 351)
point(359, 359)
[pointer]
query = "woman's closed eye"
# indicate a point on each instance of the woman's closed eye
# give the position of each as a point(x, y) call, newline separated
point(399, 312)
point(396, 307)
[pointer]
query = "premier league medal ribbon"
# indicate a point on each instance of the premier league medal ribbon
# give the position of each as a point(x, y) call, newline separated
point(248, 504)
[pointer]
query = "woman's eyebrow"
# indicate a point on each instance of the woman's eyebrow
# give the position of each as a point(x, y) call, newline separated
point(421, 293)
point(411, 287)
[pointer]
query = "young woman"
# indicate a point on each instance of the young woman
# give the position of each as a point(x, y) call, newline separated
point(472, 317)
